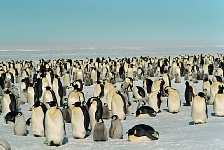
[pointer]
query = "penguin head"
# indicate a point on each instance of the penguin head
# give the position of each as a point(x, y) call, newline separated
point(131, 132)
point(52, 103)
point(114, 117)
point(19, 114)
point(77, 104)
point(37, 104)
point(201, 94)
point(187, 83)
point(48, 88)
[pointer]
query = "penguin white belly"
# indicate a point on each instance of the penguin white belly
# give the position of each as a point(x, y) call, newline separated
point(152, 101)
point(78, 129)
point(5, 104)
point(30, 96)
point(72, 98)
point(37, 124)
point(117, 106)
point(198, 112)
point(66, 80)
point(54, 125)
point(97, 90)
point(55, 89)
point(47, 97)
point(20, 127)
point(133, 138)
point(173, 102)
point(92, 111)
point(219, 105)
point(109, 96)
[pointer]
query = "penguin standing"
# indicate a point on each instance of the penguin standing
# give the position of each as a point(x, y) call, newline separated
point(80, 121)
point(218, 106)
point(173, 100)
point(100, 131)
point(199, 110)
point(31, 95)
point(138, 92)
point(66, 113)
point(142, 132)
point(20, 127)
point(106, 111)
point(188, 94)
point(95, 110)
point(38, 118)
point(118, 105)
point(98, 90)
point(58, 89)
point(116, 128)
point(54, 125)
point(48, 96)
point(154, 101)
point(147, 85)
point(8, 102)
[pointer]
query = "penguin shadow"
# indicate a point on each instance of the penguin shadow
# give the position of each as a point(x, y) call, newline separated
point(191, 123)
point(65, 140)
point(213, 114)
point(166, 110)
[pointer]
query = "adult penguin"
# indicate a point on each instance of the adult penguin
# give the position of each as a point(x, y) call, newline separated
point(49, 95)
point(154, 101)
point(8, 102)
point(218, 106)
point(75, 95)
point(142, 132)
point(173, 100)
point(80, 121)
point(138, 92)
point(100, 131)
point(118, 105)
point(38, 119)
point(20, 127)
point(116, 128)
point(207, 88)
point(199, 110)
point(54, 125)
point(58, 89)
point(147, 85)
point(144, 111)
point(32, 94)
point(95, 110)
point(128, 84)
point(66, 80)
point(188, 94)
point(98, 90)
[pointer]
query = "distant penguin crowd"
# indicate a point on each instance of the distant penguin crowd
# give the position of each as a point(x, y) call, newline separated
point(55, 94)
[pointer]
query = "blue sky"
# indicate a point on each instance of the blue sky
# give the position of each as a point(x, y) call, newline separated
point(94, 22)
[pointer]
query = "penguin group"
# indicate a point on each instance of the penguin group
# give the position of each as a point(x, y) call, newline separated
point(55, 93)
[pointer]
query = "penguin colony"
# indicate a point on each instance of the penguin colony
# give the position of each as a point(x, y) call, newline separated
point(54, 90)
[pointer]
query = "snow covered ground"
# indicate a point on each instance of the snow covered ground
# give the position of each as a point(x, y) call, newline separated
point(176, 130)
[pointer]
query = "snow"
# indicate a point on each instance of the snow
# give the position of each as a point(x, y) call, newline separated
point(176, 130)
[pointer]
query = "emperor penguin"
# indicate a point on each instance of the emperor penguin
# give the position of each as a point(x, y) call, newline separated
point(58, 89)
point(75, 95)
point(128, 84)
point(98, 90)
point(118, 105)
point(116, 128)
point(95, 110)
point(214, 89)
point(54, 125)
point(173, 100)
point(207, 88)
point(154, 101)
point(144, 111)
point(199, 110)
point(66, 113)
point(66, 80)
point(106, 111)
point(10, 117)
point(188, 94)
point(20, 127)
point(218, 106)
point(32, 95)
point(8, 102)
point(100, 131)
point(4, 145)
point(49, 95)
point(80, 121)
point(142, 132)
point(38, 118)
point(147, 85)
point(138, 92)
